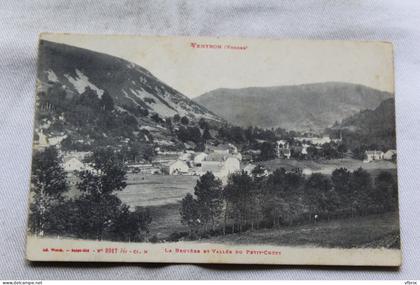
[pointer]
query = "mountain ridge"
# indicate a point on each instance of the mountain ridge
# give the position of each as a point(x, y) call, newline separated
point(312, 106)
point(124, 80)
point(86, 97)
point(369, 129)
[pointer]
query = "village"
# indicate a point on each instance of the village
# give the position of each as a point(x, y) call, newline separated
point(222, 159)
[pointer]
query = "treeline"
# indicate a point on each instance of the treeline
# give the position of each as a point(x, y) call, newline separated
point(97, 213)
point(283, 198)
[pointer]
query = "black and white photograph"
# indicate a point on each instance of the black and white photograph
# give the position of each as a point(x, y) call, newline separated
point(214, 150)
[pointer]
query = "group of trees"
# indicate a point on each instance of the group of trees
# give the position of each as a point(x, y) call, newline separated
point(248, 136)
point(203, 211)
point(248, 202)
point(97, 213)
point(198, 133)
point(91, 120)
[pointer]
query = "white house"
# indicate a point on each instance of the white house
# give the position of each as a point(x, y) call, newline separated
point(175, 167)
point(282, 144)
point(249, 168)
point(185, 156)
point(282, 149)
point(199, 157)
point(305, 148)
point(72, 164)
point(221, 148)
point(371, 155)
point(389, 155)
point(238, 156)
point(286, 153)
point(315, 140)
point(214, 167)
point(307, 171)
point(221, 169)
point(231, 165)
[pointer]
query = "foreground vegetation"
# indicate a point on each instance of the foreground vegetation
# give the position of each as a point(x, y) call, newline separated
point(248, 202)
point(283, 198)
point(97, 213)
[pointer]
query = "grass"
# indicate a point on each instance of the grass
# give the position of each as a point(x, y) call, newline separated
point(156, 190)
point(367, 232)
point(166, 220)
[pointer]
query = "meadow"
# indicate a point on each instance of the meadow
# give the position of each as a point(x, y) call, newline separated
point(374, 231)
point(156, 190)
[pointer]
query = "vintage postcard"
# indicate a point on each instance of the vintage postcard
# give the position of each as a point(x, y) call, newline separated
point(214, 150)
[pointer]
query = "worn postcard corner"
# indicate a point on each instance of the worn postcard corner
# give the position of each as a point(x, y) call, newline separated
point(214, 150)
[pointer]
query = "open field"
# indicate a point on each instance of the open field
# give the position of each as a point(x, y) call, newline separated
point(328, 166)
point(156, 190)
point(373, 231)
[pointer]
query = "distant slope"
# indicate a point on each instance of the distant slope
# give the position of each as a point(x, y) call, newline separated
point(371, 127)
point(92, 98)
point(302, 107)
point(127, 83)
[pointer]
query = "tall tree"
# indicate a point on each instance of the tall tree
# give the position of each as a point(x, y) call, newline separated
point(361, 187)
point(189, 213)
point(99, 207)
point(385, 192)
point(318, 191)
point(48, 183)
point(241, 200)
point(341, 180)
point(208, 191)
point(267, 151)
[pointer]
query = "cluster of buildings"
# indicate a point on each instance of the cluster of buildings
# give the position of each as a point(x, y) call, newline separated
point(372, 155)
point(283, 148)
point(221, 160)
point(317, 140)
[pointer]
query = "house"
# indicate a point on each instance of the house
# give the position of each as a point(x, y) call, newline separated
point(175, 167)
point(190, 145)
point(249, 168)
point(199, 157)
point(232, 165)
point(305, 148)
point(282, 149)
point(238, 156)
point(165, 158)
point(186, 156)
point(214, 167)
point(217, 156)
point(371, 155)
point(72, 164)
point(221, 169)
point(221, 148)
point(251, 154)
point(261, 171)
point(233, 148)
point(390, 154)
point(285, 153)
point(282, 144)
point(140, 168)
point(315, 140)
point(307, 171)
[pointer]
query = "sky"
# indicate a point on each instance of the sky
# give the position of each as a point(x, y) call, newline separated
point(243, 62)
